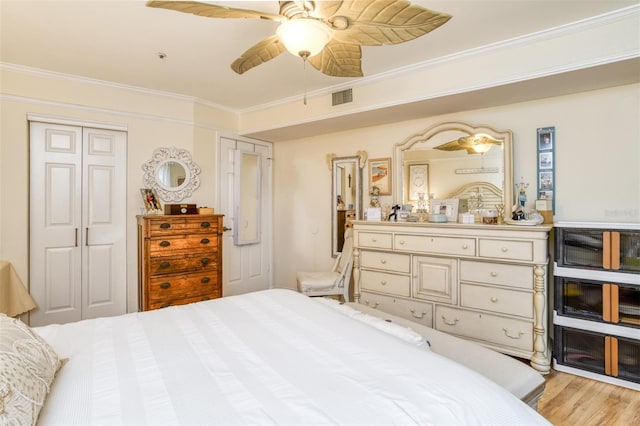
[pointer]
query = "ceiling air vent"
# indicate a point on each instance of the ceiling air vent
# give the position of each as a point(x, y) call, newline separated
point(342, 97)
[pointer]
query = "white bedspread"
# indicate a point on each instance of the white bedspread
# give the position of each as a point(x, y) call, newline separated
point(270, 357)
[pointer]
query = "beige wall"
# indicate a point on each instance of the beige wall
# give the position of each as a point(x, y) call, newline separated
point(152, 120)
point(597, 165)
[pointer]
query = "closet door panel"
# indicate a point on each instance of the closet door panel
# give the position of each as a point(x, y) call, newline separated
point(104, 223)
point(55, 217)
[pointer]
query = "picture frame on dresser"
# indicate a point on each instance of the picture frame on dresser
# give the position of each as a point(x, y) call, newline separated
point(447, 207)
point(150, 199)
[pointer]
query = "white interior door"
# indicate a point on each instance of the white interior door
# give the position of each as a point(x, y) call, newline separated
point(247, 267)
point(77, 265)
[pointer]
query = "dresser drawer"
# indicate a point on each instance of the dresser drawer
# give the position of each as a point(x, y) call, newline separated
point(437, 245)
point(374, 240)
point(180, 300)
point(181, 224)
point(185, 263)
point(171, 244)
point(398, 285)
point(518, 276)
point(493, 329)
point(173, 286)
point(499, 300)
point(421, 313)
point(506, 249)
point(385, 261)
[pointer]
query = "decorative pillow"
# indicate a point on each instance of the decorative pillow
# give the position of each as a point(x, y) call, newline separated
point(28, 365)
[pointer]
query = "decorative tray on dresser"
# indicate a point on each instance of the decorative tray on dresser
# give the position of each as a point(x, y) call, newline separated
point(180, 259)
point(486, 283)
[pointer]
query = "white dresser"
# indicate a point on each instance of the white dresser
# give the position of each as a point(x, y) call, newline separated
point(486, 283)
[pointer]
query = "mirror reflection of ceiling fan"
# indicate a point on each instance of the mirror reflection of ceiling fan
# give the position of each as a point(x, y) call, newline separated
point(327, 34)
point(473, 144)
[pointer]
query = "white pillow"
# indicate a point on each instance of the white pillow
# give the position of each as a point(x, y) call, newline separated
point(405, 333)
point(28, 366)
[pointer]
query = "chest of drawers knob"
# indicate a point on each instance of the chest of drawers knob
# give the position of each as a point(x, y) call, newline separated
point(165, 265)
point(205, 260)
point(383, 282)
point(165, 225)
point(465, 246)
point(205, 280)
point(504, 249)
point(401, 242)
point(494, 299)
point(493, 274)
point(165, 243)
point(383, 261)
point(205, 241)
point(205, 225)
point(165, 285)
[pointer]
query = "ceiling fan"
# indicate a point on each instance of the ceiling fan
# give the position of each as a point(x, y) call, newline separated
point(327, 34)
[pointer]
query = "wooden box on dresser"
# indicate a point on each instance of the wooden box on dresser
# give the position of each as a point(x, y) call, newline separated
point(486, 283)
point(597, 301)
point(179, 259)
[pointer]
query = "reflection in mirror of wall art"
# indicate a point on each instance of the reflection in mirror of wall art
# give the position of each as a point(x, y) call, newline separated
point(248, 182)
point(171, 174)
point(150, 200)
point(418, 181)
point(380, 174)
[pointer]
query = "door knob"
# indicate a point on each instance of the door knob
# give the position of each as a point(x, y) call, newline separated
point(225, 229)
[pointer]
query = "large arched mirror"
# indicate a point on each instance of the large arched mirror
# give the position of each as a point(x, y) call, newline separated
point(456, 160)
point(171, 173)
point(346, 196)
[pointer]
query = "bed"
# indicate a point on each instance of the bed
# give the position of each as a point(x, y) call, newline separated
point(268, 357)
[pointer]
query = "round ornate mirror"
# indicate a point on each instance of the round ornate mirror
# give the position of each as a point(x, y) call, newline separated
point(171, 173)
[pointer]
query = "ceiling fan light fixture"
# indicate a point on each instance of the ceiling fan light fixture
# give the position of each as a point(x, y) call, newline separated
point(303, 36)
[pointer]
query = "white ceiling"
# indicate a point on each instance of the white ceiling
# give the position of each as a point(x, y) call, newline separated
point(119, 41)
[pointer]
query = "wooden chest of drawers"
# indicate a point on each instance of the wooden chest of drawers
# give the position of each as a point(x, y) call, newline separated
point(179, 259)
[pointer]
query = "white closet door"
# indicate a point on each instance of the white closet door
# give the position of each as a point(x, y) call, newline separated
point(246, 268)
point(104, 223)
point(77, 223)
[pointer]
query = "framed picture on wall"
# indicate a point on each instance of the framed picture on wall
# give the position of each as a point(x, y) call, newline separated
point(380, 174)
point(418, 180)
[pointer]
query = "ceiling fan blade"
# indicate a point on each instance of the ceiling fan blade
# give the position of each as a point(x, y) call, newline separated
point(339, 60)
point(325, 9)
point(258, 54)
point(377, 22)
point(212, 10)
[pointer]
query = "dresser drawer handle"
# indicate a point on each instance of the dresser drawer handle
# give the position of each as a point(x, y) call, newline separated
point(165, 305)
point(383, 282)
point(504, 249)
point(494, 299)
point(454, 322)
point(205, 225)
point(465, 246)
point(165, 243)
point(205, 241)
point(383, 261)
point(419, 316)
point(494, 274)
point(165, 265)
point(506, 333)
point(205, 260)
point(165, 285)
point(373, 240)
point(205, 298)
point(373, 305)
point(165, 225)
point(401, 242)
point(205, 280)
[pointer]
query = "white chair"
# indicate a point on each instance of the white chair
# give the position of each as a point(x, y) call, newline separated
point(334, 282)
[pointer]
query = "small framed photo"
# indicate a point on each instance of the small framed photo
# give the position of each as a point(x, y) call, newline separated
point(380, 175)
point(545, 138)
point(545, 160)
point(546, 181)
point(418, 180)
point(447, 207)
point(150, 199)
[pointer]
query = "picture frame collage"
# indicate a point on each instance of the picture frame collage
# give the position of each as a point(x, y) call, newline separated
point(546, 138)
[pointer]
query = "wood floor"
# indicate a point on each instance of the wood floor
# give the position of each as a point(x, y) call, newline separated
point(570, 400)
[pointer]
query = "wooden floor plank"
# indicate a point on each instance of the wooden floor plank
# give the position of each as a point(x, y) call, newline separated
point(570, 400)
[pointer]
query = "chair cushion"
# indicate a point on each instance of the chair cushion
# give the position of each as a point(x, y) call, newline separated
point(317, 280)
